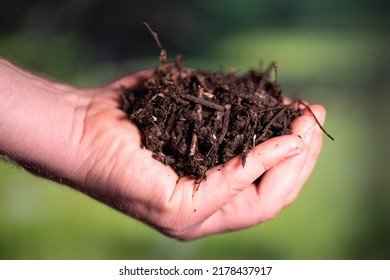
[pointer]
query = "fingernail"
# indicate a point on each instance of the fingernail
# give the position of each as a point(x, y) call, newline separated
point(298, 149)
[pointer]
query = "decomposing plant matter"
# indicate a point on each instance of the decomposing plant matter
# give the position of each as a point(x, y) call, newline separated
point(193, 120)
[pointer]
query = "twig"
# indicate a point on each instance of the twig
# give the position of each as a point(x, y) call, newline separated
point(245, 150)
point(225, 124)
point(266, 75)
point(204, 102)
point(245, 154)
point(315, 118)
point(271, 122)
point(194, 138)
point(276, 72)
point(163, 52)
point(194, 143)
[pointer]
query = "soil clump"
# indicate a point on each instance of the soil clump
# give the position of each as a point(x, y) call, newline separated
point(193, 120)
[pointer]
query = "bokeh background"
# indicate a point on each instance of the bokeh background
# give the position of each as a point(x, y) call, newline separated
point(331, 52)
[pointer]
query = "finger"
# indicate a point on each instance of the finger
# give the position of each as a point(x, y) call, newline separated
point(313, 149)
point(113, 92)
point(224, 182)
point(308, 167)
point(255, 205)
point(235, 215)
point(287, 175)
point(133, 79)
point(286, 100)
point(280, 181)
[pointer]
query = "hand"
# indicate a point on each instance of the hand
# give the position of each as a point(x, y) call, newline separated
point(96, 149)
point(114, 169)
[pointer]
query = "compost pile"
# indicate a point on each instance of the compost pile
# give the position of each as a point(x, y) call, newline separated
point(193, 120)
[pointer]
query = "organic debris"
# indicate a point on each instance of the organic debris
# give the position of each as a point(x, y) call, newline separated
point(193, 120)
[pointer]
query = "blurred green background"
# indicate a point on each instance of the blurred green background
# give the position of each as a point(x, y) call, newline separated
point(332, 52)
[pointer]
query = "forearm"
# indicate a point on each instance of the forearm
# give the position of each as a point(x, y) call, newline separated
point(36, 120)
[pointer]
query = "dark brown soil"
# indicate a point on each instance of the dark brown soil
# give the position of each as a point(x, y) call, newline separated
point(194, 120)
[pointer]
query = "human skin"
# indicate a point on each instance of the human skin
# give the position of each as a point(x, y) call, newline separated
point(81, 138)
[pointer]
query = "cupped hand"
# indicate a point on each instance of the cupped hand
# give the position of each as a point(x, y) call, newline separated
point(110, 165)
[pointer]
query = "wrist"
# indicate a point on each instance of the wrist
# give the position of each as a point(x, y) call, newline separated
point(38, 121)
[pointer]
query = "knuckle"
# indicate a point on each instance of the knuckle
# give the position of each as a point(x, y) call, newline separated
point(173, 226)
point(176, 230)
